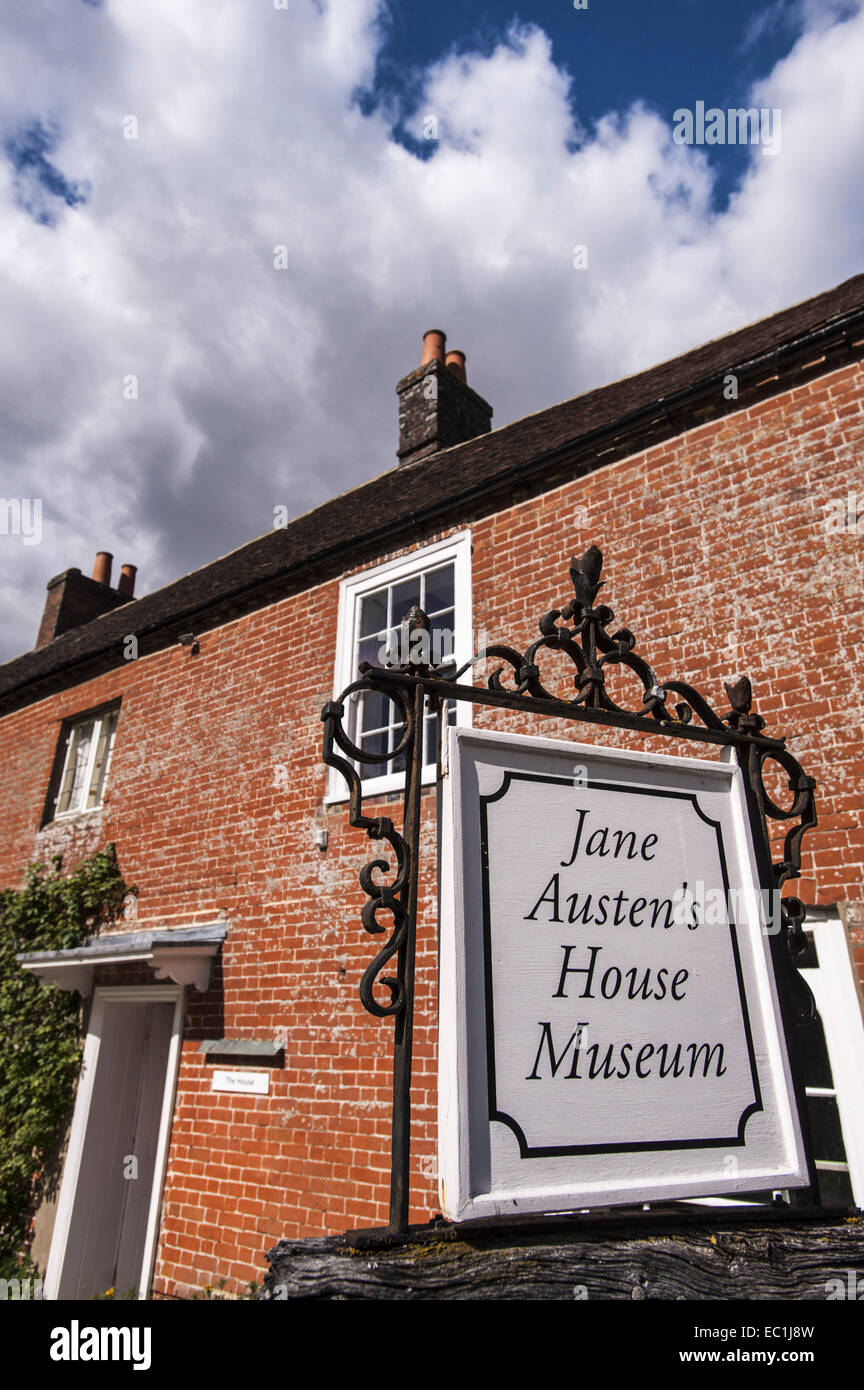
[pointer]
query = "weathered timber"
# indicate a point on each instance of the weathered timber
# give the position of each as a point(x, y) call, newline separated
point(666, 1259)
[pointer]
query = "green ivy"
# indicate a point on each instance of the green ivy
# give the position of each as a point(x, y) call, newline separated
point(40, 1039)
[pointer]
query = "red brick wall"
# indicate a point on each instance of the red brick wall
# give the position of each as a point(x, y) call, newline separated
point(717, 558)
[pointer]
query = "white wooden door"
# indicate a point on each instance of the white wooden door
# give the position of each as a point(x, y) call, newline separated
point(107, 1230)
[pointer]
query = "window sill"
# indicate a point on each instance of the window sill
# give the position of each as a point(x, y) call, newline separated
point(387, 787)
point(69, 817)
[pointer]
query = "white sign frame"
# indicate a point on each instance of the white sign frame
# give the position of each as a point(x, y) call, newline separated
point(485, 1167)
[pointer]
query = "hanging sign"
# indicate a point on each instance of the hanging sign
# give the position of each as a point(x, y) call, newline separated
point(609, 1023)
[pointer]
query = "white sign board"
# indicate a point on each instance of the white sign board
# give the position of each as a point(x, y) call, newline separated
point(253, 1083)
point(609, 1024)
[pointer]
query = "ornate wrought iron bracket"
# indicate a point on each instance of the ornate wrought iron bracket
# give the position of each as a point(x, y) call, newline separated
point(578, 630)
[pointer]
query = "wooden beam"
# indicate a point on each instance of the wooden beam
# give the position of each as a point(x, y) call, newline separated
point(668, 1260)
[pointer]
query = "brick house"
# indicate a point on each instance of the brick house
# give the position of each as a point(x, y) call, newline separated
point(184, 726)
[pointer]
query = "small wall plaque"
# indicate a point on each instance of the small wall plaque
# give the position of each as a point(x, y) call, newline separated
point(253, 1083)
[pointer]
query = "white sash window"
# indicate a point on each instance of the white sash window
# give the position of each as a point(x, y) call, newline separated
point(372, 611)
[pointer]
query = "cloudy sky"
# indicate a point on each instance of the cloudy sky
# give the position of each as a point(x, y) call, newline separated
point(225, 227)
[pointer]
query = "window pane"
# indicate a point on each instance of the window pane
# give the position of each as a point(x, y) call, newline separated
point(397, 646)
point(825, 1128)
point(373, 613)
point(439, 589)
point(77, 758)
point(405, 595)
point(443, 637)
point(834, 1186)
point(375, 710)
point(370, 650)
point(399, 763)
point(374, 743)
point(430, 745)
point(107, 727)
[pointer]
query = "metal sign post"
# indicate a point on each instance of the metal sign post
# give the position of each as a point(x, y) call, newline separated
point(579, 630)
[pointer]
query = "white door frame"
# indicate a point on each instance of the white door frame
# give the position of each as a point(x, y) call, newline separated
point(842, 1014)
point(151, 994)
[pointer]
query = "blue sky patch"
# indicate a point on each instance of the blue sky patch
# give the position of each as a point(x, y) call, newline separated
point(616, 52)
point(39, 184)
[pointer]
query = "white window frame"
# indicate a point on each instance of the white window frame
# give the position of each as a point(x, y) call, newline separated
point(97, 717)
point(455, 549)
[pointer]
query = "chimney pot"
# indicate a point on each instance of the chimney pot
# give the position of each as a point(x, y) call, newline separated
point(102, 567)
point(126, 582)
point(434, 342)
point(455, 362)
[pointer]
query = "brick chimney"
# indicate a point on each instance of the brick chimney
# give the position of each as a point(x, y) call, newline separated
point(74, 599)
point(437, 407)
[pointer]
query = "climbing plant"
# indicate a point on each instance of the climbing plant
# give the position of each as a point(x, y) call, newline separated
point(40, 1039)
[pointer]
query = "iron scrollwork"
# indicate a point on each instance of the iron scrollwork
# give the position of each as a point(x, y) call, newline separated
point(592, 650)
point(383, 897)
point(578, 630)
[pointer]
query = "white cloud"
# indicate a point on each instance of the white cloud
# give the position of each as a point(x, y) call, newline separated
point(260, 386)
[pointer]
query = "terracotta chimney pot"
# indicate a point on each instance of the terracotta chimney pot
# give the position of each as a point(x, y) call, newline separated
point(455, 362)
point(434, 342)
point(102, 567)
point(126, 582)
